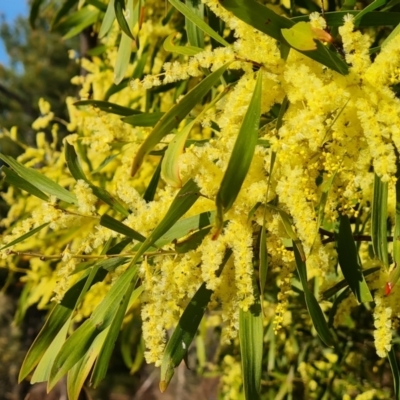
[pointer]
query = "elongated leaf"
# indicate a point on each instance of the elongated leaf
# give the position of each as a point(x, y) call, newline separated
point(124, 49)
point(39, 181)
point(183, 335)
point(80, 341)
point(25, 236)
point(196, 20)
point(289, 230)
point(117, 226)
point(193, 241)
point(265, 20)
point(194, 33)
point(263, 257)
point(78, 21)
point(15, 180)
point(251, 347)
point(175, 115)
point(108, 107)
point(184, 50)
point(242, 155)
point(391, 36)
point(76, 171)
point(152, 187)
point(123, 58)
point(185, 226)
point(34, 12)
point(62, 12)
point(395, 274)
point(145, 119)
point(60, 315)
point(335, 18)
point(348, 261)
point(170, 167)
point(42, 370)
point(395, 372)
point(379, 221)
point(101, 366)
point(343, 283)
point(80, 371)
point(119, 8)
point(107, 20)
point(373, 6)
point(53, 325)
point(314, 309)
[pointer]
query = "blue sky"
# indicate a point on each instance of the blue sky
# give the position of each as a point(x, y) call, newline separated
point(11, 9)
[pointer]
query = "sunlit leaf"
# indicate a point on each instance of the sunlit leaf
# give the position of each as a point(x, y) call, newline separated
point(175, 115)
point(242, 155)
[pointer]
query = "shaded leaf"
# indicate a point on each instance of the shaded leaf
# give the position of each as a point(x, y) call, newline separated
point(184, 50)
point(117, 226)
point(348, 261)
point(119, 9)
point(314, 309)
point(395, 372)
point(144, 119)
point(108, 107)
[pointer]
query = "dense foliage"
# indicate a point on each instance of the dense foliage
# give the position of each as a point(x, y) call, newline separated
point(227, 162)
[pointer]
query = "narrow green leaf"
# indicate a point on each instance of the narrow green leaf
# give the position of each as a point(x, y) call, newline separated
point(34, 12)
point(371, 7)
point(80, 371)
point(183, 335)
point(395, 274)
point(348, 261)
point(101, 366)
point(343, 283)
point(191, 16)
point(42, 370)
point(119, 9)
point(145, 119)
point(107, 20)
point(170, 167)
point(184, 50)
point(78, 21)
point(39, 181)
point(242, 155)
point(152, 187)
point(52, 326)
point(251, 347)
point(117, 226)
point(60, 315)
point(314, 309)
point(15, 180)
point(265, 20)
point(335, 18)
point(62, 12)
point(193, 241)
point(395, 372)
point(76, 171)
point(289, 230)
point(194, 34)
point(25, 236)
point(185, 226)
point(80, 341)
point(123, 58)
point(108, 107)
point(391, 36)
point(379, 217)
point(175, 115)
point(263, 257)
